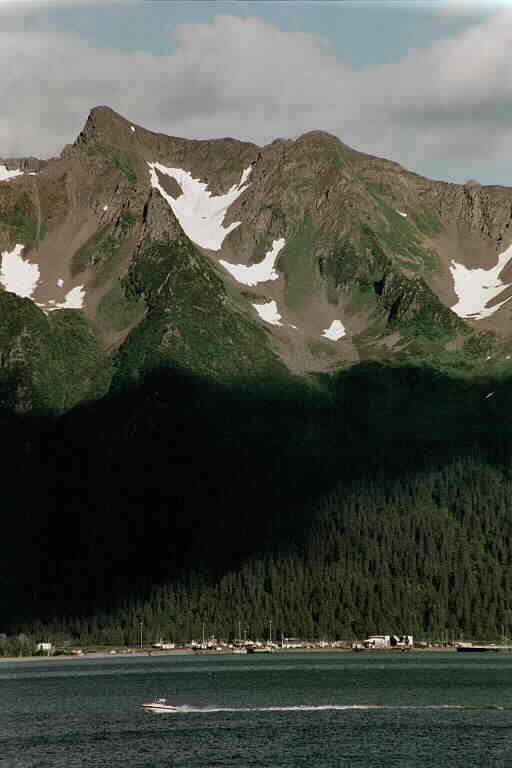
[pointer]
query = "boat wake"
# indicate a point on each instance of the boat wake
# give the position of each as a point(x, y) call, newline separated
point(184, 709)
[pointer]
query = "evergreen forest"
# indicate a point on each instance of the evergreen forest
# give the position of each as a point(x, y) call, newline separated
point(372, 500)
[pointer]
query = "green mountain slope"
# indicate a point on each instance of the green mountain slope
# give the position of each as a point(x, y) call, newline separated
point(365, 244)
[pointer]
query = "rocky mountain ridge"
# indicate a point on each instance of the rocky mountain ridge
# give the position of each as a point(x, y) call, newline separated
point(134, 250)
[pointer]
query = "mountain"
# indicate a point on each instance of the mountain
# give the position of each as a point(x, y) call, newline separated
point(229, 258)
point(240, 380)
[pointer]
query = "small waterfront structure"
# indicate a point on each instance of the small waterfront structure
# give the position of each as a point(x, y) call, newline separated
point(389, 641)
point(377, 641)
point(291, 642)
point(44, 647)
point(402, 641)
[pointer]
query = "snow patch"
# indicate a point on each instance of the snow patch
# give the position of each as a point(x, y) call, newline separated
point(199, 213)
point(335, 331)
point(269, 312)
point(6, 175)
point(245, 175)
point(490, 394)
point(74, 299)
point(401, 213)
point(475, 288)
point(257, 273)
point(105, 207)
point(132, 128)
point(17, 275)
point(21, 277)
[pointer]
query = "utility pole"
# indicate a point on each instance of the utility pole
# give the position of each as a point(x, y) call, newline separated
point(270, 632)
point(141, 624)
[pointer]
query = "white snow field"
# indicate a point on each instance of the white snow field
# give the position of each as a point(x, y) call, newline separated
point(257, 273)
point(74, 299)
point(476, 287)
point(199, 213)
point(245, 175)
point(17, 275)
point(6, 175)
point(21, 277)
point(335, 331)
point(269, 312)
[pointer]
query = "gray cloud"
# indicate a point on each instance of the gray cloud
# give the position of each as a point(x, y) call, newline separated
point(246, 78)
point(27, 5)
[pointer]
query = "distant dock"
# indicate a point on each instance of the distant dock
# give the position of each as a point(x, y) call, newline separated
point(482, 648)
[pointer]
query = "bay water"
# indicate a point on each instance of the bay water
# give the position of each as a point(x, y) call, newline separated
point(318, 710)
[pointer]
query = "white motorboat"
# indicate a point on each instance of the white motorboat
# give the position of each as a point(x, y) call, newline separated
point(159, 705)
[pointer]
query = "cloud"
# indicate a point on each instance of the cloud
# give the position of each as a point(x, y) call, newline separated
point(249, 79)
point(463, 6)
point(18, 5)
point(455, 99)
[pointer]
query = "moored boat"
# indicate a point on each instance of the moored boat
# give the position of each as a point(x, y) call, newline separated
point(260, 649)
point(470, 648)
point(159, 705)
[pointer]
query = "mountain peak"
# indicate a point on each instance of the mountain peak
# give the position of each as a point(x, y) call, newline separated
point(321, 137)
point(104, 121)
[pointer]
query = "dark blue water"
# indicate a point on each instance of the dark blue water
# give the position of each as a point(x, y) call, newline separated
point(315, 710)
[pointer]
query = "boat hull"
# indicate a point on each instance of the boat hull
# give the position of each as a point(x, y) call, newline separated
point(477, 649)
point(260, 650)
point(153, 708)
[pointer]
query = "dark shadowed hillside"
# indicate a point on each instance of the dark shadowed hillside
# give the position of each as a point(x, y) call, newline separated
point(324, 504)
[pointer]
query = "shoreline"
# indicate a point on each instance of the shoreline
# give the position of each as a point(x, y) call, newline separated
point(190, 652)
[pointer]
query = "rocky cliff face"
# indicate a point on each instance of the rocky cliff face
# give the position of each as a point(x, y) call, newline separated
point(232, 259)
point(24, 164)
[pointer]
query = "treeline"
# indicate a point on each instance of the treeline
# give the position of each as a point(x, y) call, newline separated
point(429, 555)
point(376, 500)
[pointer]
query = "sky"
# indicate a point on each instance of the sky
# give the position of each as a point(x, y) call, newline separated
point(425, 83)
